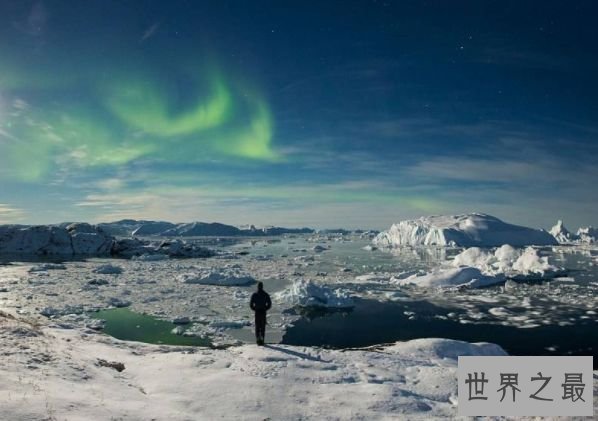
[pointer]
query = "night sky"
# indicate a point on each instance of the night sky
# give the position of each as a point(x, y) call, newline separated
point(328, 113)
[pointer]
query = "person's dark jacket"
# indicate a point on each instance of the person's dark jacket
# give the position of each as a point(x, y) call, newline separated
point(260, 301)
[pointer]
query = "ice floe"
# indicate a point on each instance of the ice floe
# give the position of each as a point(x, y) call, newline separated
point(219, 277)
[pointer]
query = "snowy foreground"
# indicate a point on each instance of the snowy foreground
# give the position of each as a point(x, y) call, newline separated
point(50, 373)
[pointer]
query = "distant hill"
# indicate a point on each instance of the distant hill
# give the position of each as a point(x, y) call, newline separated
point(142, 228)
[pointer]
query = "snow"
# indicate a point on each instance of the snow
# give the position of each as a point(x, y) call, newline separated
point(50, 373)
point(474, 229)
point(303, 293)
point(219, 277)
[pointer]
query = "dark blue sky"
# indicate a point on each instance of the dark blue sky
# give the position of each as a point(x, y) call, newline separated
point(298, 113)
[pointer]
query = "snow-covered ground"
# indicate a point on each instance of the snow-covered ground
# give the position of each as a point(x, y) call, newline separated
point(50, 373)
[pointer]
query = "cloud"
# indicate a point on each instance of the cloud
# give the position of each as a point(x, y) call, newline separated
point(10, 214)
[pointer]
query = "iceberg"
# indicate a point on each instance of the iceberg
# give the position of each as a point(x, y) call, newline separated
point(562, 234)
point(476, 268)
point(53, 240)
point(474, 229)
point(454, 277)
point(309, 294)
point(588, 235)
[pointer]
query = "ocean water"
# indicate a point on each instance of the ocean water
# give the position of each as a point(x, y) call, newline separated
point(556, 317)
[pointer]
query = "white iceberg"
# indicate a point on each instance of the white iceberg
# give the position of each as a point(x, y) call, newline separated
point(52, 240)
point(562, 234)
point(584, 235)
point(588, 235)
point(475, 229)
point(476, 268)
point(309, 294)
point(454, 277)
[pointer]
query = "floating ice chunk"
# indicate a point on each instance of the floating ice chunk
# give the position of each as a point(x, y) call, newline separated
point(224, 277)
point(454, 277)
point(308, 294)
point(531, 266)
point(229, 324)
point(47, 266)
point(508, 261)
point(108, 269)
point(178, 330)
point(118, 302)
point(183, 320)
point(150, 257)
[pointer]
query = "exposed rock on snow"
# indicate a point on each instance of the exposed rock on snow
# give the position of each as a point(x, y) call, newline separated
point(222, 277)
point(308, 294)
point(468, 230)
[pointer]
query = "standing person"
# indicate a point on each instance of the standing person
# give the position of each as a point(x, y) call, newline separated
point(260, 303)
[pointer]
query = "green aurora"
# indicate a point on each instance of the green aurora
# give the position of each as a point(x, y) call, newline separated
point(121, 119)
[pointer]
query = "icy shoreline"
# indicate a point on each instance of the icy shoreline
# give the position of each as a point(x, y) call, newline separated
point(60, 375)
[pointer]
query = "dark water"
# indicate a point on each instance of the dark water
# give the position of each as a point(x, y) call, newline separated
point(372, 322)
point(127, 325)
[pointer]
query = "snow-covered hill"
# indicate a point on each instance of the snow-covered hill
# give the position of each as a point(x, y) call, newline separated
point(474, 229)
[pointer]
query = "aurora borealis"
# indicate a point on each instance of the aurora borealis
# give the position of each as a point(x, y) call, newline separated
point(297, 114)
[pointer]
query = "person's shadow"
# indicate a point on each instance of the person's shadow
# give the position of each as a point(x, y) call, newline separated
point(296, 354)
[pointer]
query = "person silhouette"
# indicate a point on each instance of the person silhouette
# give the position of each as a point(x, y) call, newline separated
point(260, 303)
